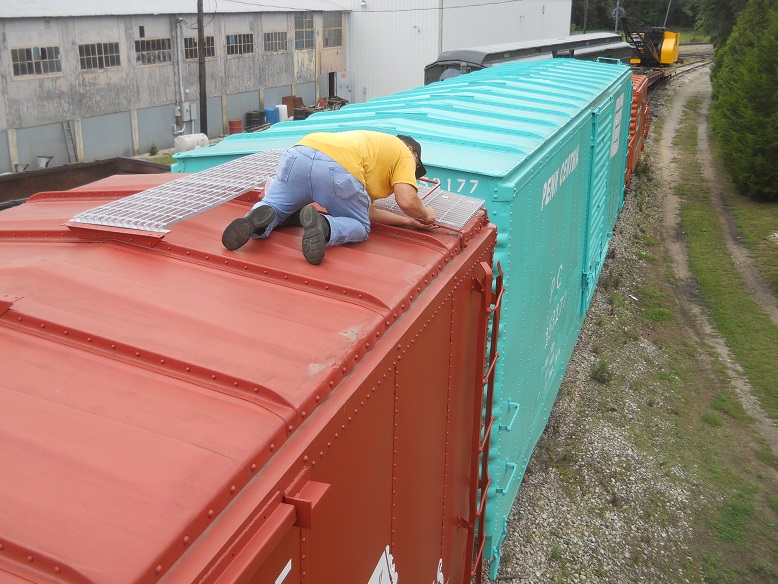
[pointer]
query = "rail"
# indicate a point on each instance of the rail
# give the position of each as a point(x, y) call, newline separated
point(679, 71)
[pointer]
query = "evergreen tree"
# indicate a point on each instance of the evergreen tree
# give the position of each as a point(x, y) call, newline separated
point(717, 17)
point(644, 13)
point(745, 100)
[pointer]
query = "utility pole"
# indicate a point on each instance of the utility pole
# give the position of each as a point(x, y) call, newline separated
point(201, 69)
point(616, 14)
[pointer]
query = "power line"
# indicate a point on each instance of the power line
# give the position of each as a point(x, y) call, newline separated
point(213, 16)
point(293, 9)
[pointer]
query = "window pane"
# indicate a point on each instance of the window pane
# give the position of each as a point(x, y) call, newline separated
point(333, 30)
point(303, 30)
point(332, 19)
point(152, 51)
point(190, 47)
point(240, 44)
point(36, 61)
point(99, 55)
point(275, 42)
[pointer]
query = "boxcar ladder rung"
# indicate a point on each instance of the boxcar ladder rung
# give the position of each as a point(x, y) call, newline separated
point(482, 479)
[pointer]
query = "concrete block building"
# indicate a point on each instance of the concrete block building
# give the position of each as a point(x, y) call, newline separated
point(85, 80)
point(90, 80)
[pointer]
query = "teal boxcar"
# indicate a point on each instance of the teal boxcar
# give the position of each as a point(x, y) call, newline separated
point(544, 143)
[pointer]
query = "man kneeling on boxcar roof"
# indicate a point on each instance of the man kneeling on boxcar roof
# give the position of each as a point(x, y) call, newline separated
point(344, 173)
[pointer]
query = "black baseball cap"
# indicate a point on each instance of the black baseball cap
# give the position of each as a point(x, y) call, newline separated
point(420, 170)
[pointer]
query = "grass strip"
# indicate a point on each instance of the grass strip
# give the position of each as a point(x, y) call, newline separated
point(747, 330)
point(757, 223)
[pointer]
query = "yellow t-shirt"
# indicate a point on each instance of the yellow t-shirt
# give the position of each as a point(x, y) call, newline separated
point(379, 161)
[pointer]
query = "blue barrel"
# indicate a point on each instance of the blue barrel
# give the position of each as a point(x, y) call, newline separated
point(271, 113)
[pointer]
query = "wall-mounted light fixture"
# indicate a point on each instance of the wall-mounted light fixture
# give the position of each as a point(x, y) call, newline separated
point(363, 3)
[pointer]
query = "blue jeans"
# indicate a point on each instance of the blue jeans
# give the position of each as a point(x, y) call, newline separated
point(305, 176)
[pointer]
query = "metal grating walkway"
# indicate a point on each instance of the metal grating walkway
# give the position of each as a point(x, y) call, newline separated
point(451, 209)
point(158, 208)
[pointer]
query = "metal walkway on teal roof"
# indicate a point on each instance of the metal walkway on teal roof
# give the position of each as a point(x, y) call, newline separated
point(544, 143)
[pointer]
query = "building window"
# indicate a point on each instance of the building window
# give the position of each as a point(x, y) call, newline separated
point(275, 42)
point(99, 56)
point(303, 30)
point(190, 48)
point(240, 44)
point(36, 61)
point(152, 51)
point(333, 29)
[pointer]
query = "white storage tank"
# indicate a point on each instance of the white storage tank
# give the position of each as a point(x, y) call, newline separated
point(190, 142)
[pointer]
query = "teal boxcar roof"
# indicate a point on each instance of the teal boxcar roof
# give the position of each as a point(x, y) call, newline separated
point(487, 122)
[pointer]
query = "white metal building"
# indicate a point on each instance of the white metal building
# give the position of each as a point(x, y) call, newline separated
point(391, 41)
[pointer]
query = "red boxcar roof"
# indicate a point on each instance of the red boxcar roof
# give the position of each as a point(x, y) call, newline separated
point(144, 380)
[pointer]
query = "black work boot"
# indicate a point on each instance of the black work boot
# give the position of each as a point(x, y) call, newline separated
point(292, 221)
point(316, 233)
point(240, 231)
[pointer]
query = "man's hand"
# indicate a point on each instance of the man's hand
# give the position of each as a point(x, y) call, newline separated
point(416, 224)
point(385, 217)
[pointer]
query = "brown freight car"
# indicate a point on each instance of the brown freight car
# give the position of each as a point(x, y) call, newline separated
point(173, 412)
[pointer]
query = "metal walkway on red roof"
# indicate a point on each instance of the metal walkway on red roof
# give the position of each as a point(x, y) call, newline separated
point(157, 208)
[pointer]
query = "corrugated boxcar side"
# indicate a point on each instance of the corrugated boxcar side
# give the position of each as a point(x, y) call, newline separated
point(610, 139)
point(559, 224)
point(639, 122)
point(174, 412)
point(544, 143)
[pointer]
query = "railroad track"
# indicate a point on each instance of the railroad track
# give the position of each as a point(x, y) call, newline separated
point(677, 72)
point(683, 69)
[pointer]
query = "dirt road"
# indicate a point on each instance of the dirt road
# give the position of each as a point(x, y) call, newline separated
point(697, 84)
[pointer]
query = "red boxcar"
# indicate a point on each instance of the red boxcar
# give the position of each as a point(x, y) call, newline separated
point(174, 412)
point(639, 122)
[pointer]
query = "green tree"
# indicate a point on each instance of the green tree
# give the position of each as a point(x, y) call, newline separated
point(717, 17)
point(745, 100)
point(595, 14)
point(644, 13)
